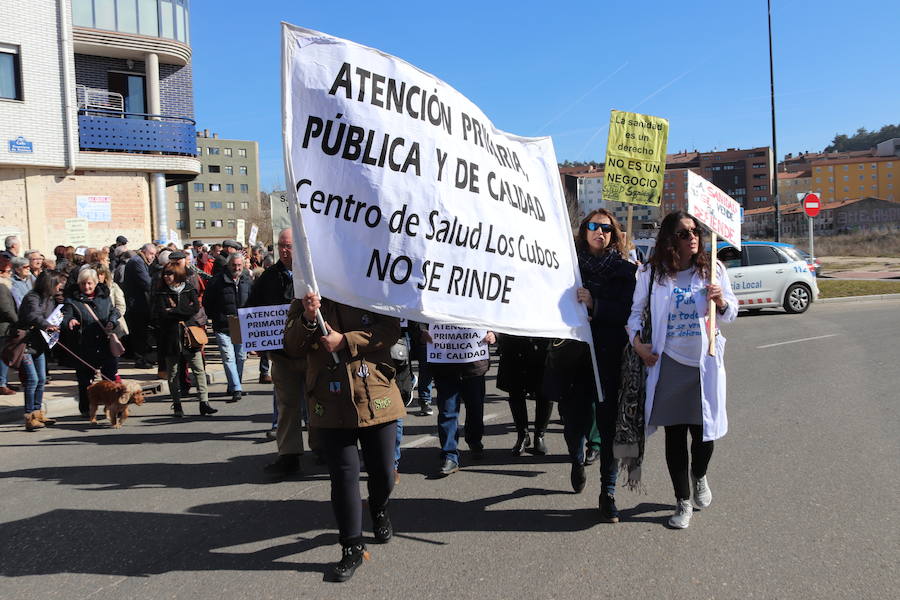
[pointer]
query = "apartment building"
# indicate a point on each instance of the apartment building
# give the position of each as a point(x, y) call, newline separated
point(96, 119)
point(223, 201)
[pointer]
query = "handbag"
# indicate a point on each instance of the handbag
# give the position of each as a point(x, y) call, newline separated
point(116, 348)
point(628, 442)
point(195, 337)
point(14, 350)
point(566, 355)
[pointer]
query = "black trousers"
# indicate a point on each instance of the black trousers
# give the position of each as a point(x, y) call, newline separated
point(519, 410)
point(677, 457)
point(340, 453)
point(138, 332)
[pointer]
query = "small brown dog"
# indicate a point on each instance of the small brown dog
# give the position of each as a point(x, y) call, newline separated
point(115, 397)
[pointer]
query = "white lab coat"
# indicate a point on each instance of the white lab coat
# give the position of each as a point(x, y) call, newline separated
point(712, 368)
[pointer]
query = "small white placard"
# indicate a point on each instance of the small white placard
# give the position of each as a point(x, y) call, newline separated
point(454, 344)
point(262, 327)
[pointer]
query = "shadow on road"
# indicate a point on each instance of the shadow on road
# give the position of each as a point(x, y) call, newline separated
point(245, 535)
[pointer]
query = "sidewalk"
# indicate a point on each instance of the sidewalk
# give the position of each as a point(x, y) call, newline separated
point(61, 393)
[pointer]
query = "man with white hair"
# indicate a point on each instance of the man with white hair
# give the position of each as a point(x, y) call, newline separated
point(12, 245)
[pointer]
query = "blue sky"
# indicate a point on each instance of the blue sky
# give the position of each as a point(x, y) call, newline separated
point(544, 68)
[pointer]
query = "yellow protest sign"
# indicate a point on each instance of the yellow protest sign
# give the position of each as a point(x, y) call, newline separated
point(635, 158)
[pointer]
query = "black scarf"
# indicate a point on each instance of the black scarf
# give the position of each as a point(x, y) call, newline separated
point(595, 270)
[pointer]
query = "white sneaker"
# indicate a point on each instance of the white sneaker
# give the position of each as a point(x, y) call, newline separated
point(702, 493)
point(682, 517)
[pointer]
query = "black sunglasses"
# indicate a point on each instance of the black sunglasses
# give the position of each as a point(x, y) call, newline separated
point(604, 227)
point(685, 234)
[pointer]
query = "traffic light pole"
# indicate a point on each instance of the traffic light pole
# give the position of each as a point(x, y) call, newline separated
point(774, 146)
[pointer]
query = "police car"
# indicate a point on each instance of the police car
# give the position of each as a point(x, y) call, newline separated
point(769, 275)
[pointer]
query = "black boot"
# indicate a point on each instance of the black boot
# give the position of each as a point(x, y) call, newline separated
point(608, 511)
point(177, 411)
point(522, 442)
point(539, 446)
point(351, 557)
point(381, 526)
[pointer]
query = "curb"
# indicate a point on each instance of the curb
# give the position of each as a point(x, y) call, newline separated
point(862, 298)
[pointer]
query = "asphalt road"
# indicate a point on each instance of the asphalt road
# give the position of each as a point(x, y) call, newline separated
point(805, 497)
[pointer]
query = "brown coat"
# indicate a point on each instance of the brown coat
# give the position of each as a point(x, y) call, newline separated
point(361, 391)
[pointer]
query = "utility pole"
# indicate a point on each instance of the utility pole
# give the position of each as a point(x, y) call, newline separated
point(774, 146)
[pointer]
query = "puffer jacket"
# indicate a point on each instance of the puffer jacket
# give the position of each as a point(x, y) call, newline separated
point(224, 296)
point(361, 390)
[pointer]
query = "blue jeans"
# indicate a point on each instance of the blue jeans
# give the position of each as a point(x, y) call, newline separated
point(33, 372)
point(424, 385)
point(397, 445)
point(4, 370)
point(233, 357)
point(453, 391)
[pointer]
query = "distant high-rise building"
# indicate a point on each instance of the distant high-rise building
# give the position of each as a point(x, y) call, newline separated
point(210, 207)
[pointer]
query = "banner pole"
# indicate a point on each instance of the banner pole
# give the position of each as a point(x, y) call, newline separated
point(628, 235)
point(713, 279)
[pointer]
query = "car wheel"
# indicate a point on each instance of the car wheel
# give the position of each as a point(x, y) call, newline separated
point(797, 298)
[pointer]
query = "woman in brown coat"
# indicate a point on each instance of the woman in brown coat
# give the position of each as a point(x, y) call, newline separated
point(354, 399)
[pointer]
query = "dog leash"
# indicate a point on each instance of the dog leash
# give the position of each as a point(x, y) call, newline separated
point(82, 361)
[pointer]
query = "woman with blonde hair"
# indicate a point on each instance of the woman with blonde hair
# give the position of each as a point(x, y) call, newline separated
point(115, 293)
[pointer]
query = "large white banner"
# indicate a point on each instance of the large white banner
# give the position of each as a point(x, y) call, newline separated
point(715, 209)
point(406, 199)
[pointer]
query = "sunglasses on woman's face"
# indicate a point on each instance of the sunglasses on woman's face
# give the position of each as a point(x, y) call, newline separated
point(604, 227)
point(685, 234)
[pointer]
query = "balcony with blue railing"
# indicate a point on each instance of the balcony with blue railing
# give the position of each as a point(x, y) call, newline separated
point(103, 124)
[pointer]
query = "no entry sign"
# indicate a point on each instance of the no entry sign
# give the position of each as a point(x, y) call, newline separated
point(811, 205)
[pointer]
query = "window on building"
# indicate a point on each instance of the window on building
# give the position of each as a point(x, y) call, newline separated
point(889, 175)
point(215, 223)
point(831, 180)
point(215, 187)
point(861, 166)
point(215, 205)
point(229, 170)
point(229, 188)
point(846, 167)
point(229, 205)
point(212, 151)
point(760, 188)
point(245, 189)
point(846, 178)
point(817, 168)
point(818, 180)
point(862, 188)
point(215, 169)
point(180, 206)
point(242, 152)
point(10, 72)
point(759, 176)
point(874, 187)
point(200, 224)
point(890, 186)
point(179, 224)
point(862, 177)
point(226, 151)
point(242, 170)
point(874, 177)
point(245, 206)
point(846, 189)
point(199, 205)
point(231, 223)
point(198, 187)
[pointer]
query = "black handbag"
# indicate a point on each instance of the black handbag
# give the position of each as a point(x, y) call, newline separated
point(564, 355)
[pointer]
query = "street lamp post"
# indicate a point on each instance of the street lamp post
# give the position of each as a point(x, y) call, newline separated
point(774, 145)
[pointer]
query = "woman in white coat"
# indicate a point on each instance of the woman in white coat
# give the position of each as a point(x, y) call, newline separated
point(685, 386)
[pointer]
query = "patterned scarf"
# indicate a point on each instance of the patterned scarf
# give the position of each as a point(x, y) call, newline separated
point(628, 443)
point(595, 269)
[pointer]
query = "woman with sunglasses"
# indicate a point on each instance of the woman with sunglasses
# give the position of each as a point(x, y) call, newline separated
point(685, 386)
point(608, 283)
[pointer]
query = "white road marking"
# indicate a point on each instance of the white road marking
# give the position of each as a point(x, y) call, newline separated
point(818, 337)
point(433, 436)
